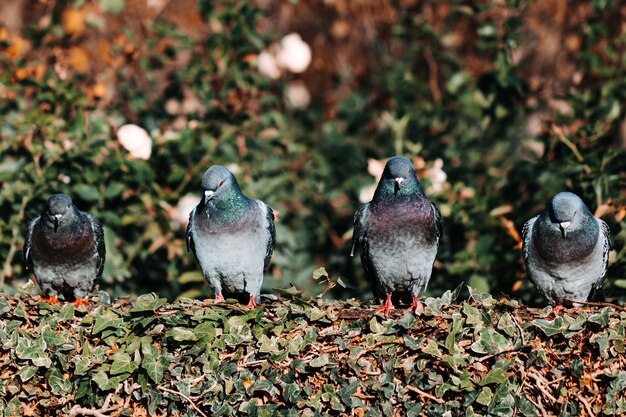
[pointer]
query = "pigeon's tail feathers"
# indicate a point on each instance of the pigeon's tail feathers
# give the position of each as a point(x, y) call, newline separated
point(271, 243)
point(28, 260)
point(360, 218)
point(98, 232)
point(191, 247)
point(605, 235)
point(438, 225)
point(527, 236)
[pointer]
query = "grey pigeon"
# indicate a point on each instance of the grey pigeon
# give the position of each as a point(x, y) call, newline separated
point(566, 250)
point(65, 249)
point(398, 235)
point(231, 236)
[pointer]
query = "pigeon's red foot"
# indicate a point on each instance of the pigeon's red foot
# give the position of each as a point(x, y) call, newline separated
point(557, 309)
point(387, 307)
point(219, 298)
point(50, 300)
point(416, 304)
point(80, 302)
point(252, 303)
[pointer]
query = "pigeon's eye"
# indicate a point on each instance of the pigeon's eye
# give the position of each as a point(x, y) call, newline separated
point(221, 183)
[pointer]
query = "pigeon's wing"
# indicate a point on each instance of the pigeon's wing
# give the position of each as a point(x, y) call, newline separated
point(28, 260)
point(271, 242)
point(527, 232)
point(360, 241)
point(605, 233)
point(438, 227)
point(359, 236)
point(191, 247)
point(98, 232)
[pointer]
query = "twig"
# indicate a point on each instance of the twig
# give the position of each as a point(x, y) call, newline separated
point(418, 391)
point(558, 131)
point(598, 304)
point(77, 410)
point(180, 394)
point(377, 345)
point(587, 406)
point(541, 385)
point(521, 331)
point(538, 405)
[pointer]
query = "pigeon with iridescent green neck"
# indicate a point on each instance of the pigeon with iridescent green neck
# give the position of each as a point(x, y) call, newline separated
point(398, 235)
point(64, 247)
point(566, 250)
point(231, 236)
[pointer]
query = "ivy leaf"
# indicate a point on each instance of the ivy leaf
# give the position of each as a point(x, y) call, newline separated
point(122, 363)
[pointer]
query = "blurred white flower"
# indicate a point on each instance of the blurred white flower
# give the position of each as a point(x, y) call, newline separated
point(135, 140)
point(375, 168)
point(234, 168)
point(367, 193)
point(297, 95)
point(294, 54)
point(437, 176)
point(180, 213)
point(268, 66)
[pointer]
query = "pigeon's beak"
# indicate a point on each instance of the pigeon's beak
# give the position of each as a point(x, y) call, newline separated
point(208, 194)
point(57, 218)
point(398, 184)
point(565, 227)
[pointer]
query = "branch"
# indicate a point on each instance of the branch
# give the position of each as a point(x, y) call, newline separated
point(180, 394)
point(418, 391)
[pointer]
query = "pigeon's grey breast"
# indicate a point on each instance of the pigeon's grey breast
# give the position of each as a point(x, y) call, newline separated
point(402, 242)
point(234, 252)
point(565, 268)
point(70, 260)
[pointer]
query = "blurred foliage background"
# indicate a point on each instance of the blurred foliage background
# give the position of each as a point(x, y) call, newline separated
point(499, 104)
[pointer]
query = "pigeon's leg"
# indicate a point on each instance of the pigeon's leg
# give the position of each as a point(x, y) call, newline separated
point(415, 305)
point(50, 300)
point(80, 295)
point(219, 298)
point(387, 307)
point(252, 303)
point(557, 309)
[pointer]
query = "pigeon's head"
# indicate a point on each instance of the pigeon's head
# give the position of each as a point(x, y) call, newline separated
point(566, 209)
point(57, 209)
point(216, 182)
point(399, 171)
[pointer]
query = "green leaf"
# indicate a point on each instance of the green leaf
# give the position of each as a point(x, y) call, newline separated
point(319, 273)
point(27, 372)
point(148, 303)
point(320, 361)
point(87, 192)
point(112, 6)
point(191, 277)
point(105, 321)
point(101, 379)
point(122, 363)
point(485, 396)
point(182, 334)
point(495, 376)
point(432, 349)
point(550, 327)
point(155, 366)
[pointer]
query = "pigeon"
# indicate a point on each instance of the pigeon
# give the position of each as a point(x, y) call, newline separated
point(64, 248)
point(566, 250)
point(231, 236)
point(398, 235)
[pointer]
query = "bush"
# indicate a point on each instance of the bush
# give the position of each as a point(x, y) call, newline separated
point(298, 356)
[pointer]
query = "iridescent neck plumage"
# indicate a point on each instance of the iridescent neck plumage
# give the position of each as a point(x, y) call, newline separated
point(388, 189)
